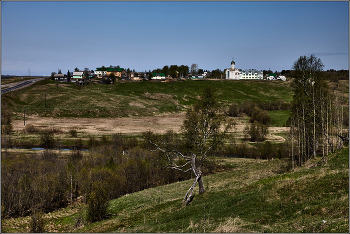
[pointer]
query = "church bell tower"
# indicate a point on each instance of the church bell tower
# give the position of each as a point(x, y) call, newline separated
point(233, 64)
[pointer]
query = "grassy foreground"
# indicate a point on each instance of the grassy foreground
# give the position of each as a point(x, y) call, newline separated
point(255, 196)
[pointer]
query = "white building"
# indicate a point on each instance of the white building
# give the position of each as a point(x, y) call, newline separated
point(236, 74)
point(77, 75)
point(232, 73)
point(282, 78)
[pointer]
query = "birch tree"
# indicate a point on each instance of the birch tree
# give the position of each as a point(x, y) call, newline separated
point(309, 105)
point(203, 132)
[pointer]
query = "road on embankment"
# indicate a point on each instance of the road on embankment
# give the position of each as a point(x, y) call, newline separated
point(18, 85)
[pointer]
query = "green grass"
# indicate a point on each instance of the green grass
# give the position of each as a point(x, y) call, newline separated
point(135, 98)
point(279, 117)
point(251, 197)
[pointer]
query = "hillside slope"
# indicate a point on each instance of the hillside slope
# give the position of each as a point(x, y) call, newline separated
point(54, 99)
point(255, 196)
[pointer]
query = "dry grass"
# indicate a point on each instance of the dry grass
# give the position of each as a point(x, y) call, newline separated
point(232, 225)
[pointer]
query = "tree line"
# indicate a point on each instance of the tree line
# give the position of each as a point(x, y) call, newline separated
point(318, 118)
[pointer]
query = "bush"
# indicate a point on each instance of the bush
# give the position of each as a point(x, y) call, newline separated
point(97, 201)
point(248, 107)
point(47, 139)
point(257, 131)
point(233, 110)
point(260, 116)
point(73, 133)
point(30, 128)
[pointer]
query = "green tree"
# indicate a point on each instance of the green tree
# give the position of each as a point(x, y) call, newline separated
point(165, 70)
point(202, 129)
point(216, 74)
point(183, 70)
point(173, 70)
point(76, 69)
point(112, 77)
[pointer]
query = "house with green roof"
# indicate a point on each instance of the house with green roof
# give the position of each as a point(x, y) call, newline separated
point(158, 76)
point(118, 72)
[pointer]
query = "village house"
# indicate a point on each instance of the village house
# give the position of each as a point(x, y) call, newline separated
point(135, 76)
point(158, 76)
point(117, 71)
point(77, 75)
point(61, 77)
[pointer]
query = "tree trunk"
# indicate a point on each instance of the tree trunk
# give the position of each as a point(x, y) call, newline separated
point(198, 173)
point(201, 185)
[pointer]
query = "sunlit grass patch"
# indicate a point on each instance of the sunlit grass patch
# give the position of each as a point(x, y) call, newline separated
point(279, 117)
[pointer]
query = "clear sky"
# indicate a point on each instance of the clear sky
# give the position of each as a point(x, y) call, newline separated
point(45, 36)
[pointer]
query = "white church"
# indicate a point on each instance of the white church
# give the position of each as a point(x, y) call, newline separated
point(236, 74)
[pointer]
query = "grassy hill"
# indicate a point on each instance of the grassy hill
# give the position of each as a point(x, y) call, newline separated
point(135, 98)
point(254, 196)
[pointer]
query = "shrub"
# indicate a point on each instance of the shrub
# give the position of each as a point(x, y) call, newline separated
point(247, 107)
point(260, 116)
point(264, 118)
point(6, 129)
point(233, 110)
point(97, 201)
point(47, 139)
point(30, 128)
point(257, 131)
point(73, 133)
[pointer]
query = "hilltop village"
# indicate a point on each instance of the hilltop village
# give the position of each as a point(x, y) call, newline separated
point(110, 74)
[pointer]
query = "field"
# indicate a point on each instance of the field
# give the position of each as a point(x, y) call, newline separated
point(131, 107)
point(254, 196)
point(132, 99)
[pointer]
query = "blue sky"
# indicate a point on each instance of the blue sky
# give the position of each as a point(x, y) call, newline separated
point(45, 36)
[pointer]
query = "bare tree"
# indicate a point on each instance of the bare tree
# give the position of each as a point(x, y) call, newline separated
point(309, 105)
point(194, 68)
point(203, 133)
